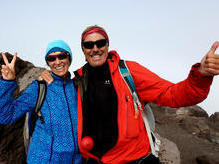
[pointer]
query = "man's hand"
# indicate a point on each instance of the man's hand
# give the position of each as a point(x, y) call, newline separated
point(46, 75)
point(210, 62)
point(8, 71)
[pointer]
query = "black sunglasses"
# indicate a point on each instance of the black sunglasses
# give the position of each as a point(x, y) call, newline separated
point(90, 45)
point(51, 58)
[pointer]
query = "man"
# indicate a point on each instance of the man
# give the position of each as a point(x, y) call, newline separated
point(105, 105)
point(54, 140)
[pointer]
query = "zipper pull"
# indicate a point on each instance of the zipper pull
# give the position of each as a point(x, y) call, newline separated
point(136, 110)
point(136, 114)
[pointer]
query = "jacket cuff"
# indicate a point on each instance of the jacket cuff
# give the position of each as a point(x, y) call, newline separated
point(198, 79)
point(7, 82)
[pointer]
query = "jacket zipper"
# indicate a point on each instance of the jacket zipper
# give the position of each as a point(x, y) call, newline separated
point(69, 115)
point(51, 148)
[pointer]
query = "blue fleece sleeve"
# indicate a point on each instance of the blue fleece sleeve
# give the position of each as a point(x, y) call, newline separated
point(12, 109)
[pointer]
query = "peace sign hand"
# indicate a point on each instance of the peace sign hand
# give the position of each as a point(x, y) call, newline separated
point(8, 71)
point(210, 62)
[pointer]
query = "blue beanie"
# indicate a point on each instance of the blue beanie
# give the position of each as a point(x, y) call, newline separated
point(58, 45)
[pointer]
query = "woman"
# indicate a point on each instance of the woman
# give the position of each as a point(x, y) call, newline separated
point(55, 140)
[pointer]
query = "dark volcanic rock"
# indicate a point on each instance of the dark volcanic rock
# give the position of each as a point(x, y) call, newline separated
point(192, 135)
point(206, 160)
point(195, 111)
point(214, 121)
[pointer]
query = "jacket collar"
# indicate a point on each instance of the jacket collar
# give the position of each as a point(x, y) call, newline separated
point(60, 79)
point(113, 60)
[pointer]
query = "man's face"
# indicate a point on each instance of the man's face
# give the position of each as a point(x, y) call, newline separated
point(95, 56)
point(59, 64)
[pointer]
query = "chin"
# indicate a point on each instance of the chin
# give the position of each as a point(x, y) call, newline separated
point(97, 63)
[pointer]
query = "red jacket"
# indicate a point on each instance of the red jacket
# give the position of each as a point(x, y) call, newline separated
point(133, 141)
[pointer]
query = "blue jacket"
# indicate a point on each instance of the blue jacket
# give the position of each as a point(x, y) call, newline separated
point(55, 141)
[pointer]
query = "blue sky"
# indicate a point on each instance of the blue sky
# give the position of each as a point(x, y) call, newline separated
point(167, 37)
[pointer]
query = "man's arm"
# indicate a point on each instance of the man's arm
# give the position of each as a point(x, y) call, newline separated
point(194, 89)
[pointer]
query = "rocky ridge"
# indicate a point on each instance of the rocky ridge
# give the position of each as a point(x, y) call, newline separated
point(188, 135)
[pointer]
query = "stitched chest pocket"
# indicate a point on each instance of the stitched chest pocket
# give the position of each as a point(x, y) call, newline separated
point(132, 128)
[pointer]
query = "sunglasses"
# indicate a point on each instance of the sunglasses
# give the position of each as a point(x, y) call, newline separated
point(51, 58)
point(99, 43)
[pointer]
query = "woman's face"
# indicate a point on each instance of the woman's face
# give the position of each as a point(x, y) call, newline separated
point(59, 63)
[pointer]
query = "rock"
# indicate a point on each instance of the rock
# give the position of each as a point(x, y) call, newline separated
point(190, 131)
point(214, 121)
point(182, 112)
point(169, 152)
point(195, 111)
point(214, 137)
point(205, 160)
point(11, 136)
point(197, 126)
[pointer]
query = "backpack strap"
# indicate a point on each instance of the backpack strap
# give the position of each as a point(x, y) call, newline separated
point(126, 75)
point(31, 117)
point(36, 113)
point(41, 97)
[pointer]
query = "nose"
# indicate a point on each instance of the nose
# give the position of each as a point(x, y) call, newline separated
point(95, 48)
point(57, 61)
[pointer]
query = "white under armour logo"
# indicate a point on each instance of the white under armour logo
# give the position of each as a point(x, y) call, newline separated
point(107, 82)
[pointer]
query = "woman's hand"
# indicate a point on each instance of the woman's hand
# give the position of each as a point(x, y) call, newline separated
point(8, 71)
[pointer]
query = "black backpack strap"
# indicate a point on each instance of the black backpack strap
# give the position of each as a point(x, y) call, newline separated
point(36, 113)
point(41, 97)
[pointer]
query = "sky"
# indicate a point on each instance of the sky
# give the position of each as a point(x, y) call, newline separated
point(166, 36)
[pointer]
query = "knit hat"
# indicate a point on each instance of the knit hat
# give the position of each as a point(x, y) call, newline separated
point(94, 29)
point(58, 45)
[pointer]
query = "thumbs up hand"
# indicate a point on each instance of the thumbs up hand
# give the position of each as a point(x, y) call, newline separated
point(210, 62)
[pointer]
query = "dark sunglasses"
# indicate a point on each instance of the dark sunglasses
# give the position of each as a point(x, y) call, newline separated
point(51, 58)
point(90, 45)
